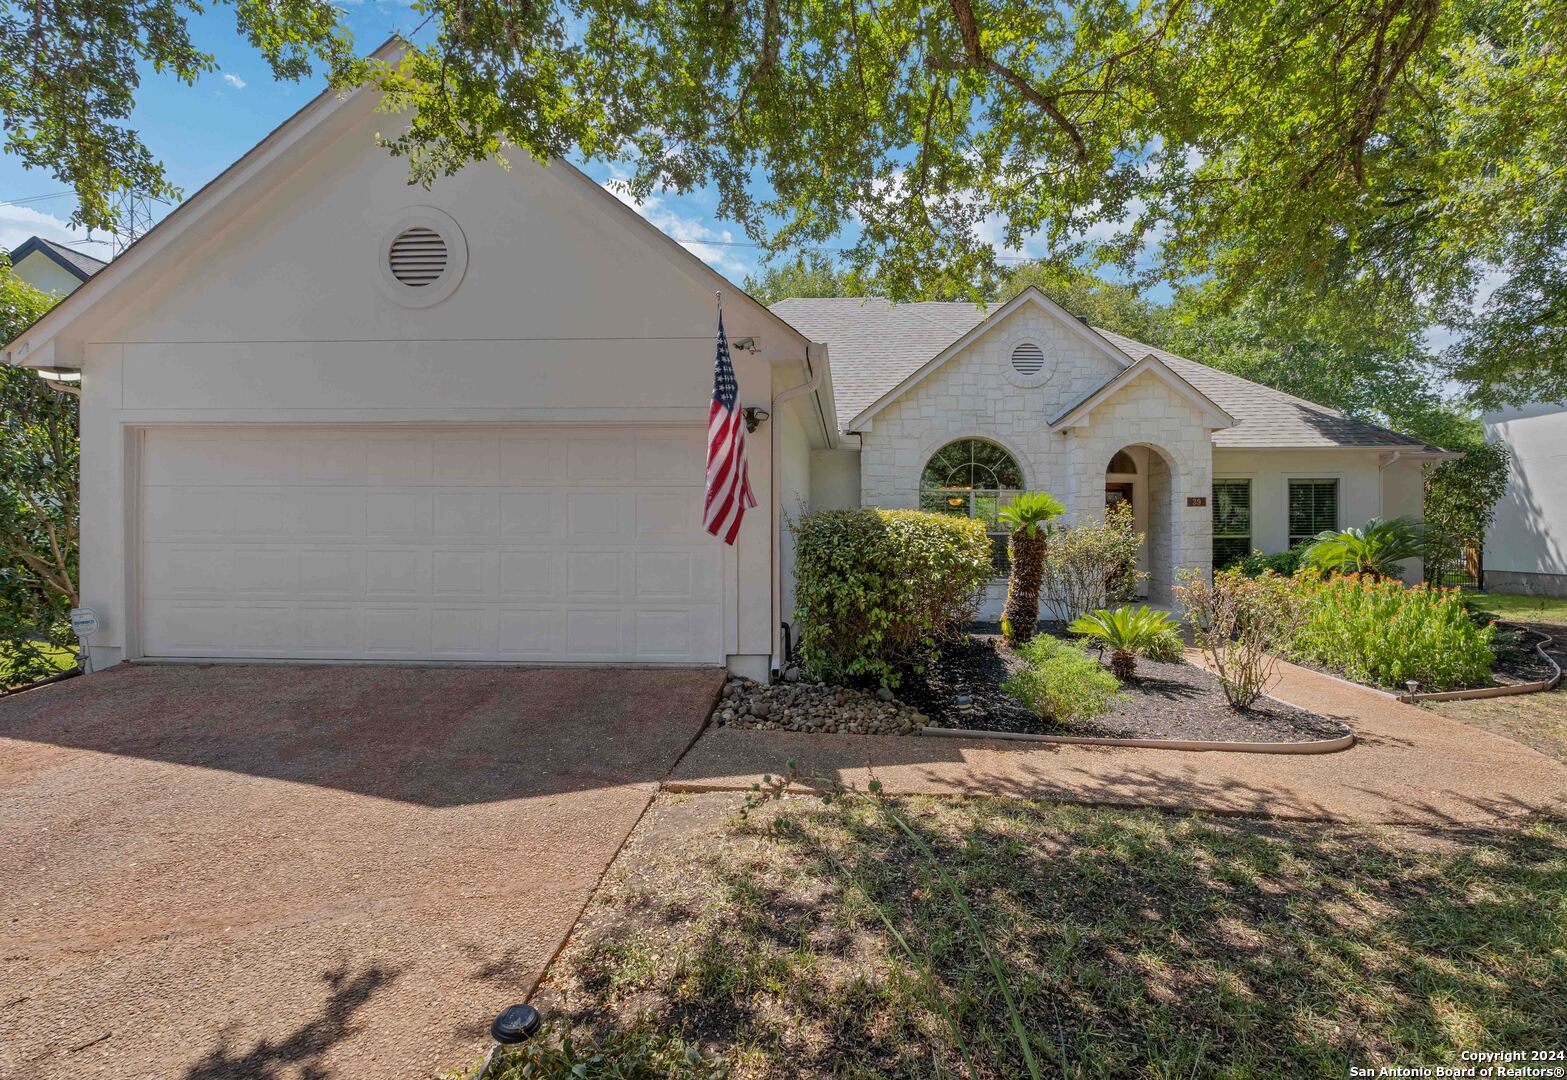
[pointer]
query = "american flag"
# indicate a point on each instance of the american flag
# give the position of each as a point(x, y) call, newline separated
point(728, 479)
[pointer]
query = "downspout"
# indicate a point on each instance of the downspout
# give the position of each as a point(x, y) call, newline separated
point(813, 350)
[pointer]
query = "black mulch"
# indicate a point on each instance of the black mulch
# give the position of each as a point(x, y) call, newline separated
point(1517, 659)
point(1163, 701)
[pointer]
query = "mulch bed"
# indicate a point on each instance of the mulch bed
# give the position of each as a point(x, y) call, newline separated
point(1517, 659)
point(962, 689)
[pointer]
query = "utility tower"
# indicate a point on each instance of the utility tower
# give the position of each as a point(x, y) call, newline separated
point(133, 217)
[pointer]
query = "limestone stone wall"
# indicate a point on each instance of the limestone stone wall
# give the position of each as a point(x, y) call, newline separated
point(978, 394)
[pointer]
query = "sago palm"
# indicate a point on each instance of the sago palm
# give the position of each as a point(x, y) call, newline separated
point(1376, 550)
point(1028, 518)
point(1127, 632)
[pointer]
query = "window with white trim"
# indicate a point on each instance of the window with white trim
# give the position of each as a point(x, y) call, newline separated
point(1231, 521)
point(973, 478)
point(1313, 508)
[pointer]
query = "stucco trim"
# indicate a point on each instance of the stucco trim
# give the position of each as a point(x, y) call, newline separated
point(1030, 295)
point(1213, 416)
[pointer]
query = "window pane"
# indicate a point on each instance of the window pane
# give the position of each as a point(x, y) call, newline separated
point(1313, 508)
point(1229, 549)
point(1231, 521)
point(1232, 508)
point(971, 463)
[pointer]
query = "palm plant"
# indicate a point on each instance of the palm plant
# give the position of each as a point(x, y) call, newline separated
point(1128, 632)
point(1376, 550)
point(1028, 518)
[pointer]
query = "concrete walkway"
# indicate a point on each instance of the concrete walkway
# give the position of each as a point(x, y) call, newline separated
point(1409, 767)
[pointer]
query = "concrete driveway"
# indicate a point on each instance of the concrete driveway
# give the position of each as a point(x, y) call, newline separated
point(294, 871)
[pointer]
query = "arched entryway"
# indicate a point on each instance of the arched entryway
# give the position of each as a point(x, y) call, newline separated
point(1141, 475)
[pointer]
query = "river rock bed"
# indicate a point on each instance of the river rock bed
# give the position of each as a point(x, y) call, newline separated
point(803, 706)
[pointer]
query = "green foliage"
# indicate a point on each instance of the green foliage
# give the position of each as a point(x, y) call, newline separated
point(1460, 504)
point(1030, 512)
point(1376, 370)
point(814, 273)
point(39, 452)
point(70, 71)
point(876, 590)
point(1062, 681)
point(1378, 548)
point(1129, 632)
point(636, 1053)
point(1028, 518)
point(1380, 158)
point(1385, 633)
point(1284, 563)
point(1116, 306)
point(1092, 564)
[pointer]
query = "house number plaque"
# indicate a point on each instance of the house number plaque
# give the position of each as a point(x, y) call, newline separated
point(1196, 500)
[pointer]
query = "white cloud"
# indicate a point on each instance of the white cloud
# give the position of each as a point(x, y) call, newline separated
point(234, 80)
point(17, 223)
point(702, 239)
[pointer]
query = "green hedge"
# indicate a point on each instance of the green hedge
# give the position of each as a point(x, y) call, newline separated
point(875, 590)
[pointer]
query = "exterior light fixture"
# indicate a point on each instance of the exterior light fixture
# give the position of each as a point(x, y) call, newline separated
point(516, 1024)
point(754, 417)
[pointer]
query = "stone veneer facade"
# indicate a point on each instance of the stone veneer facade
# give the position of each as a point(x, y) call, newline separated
point(978, 394)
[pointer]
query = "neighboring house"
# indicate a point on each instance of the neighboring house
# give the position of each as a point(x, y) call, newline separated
point(950, 407)
point(329, 416)
point(1524, 547)
point(54, 268)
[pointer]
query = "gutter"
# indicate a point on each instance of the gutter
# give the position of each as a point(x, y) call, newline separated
point(817, 372)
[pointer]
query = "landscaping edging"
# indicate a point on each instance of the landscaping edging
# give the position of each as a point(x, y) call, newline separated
point(1315, 746)
point(1538, 686)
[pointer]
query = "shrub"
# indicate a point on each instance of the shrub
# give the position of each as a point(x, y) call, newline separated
point(1284, 563)
point(1386, 633)
point(1092, 565)
point(1128, 632)
point(1378, 549)
point(1062, 681)
point(875, 590)
point(1028, 516)
point(1241, 623)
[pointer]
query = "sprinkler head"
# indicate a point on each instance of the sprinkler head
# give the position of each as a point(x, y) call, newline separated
point(515, 1024)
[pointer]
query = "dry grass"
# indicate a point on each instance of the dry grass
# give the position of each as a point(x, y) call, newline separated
point(1136, 943)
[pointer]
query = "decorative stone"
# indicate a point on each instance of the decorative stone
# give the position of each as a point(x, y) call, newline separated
point(801, 706)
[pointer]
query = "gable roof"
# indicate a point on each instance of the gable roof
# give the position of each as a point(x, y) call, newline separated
point(79, 265)
point(1077, 414)
point(877, 345)
point(283, 149)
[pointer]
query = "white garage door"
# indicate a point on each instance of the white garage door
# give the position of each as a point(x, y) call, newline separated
point(471, 543)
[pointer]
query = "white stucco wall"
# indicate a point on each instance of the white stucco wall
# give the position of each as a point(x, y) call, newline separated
point(569, 312)
point(1366, 489)
point(835, 476)
point(1526, 549)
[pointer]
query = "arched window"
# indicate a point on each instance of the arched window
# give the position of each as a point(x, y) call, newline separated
point(973, 478)
point(1122, 463)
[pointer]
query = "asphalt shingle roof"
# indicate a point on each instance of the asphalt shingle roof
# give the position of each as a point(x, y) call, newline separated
point(82, 265)
point(875, 344)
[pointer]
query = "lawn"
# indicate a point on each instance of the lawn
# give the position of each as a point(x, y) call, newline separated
point(1134, 944)
point(62, 659)
point(1518, 608)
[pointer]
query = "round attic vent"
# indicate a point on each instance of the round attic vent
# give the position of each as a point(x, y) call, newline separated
point(418, 256)
point(1028, 359)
